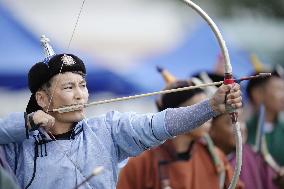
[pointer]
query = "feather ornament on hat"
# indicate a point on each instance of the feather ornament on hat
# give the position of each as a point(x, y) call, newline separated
point(167, 76)
point(257, 64)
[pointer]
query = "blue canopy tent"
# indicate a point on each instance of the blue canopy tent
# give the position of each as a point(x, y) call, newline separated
point(20, 49)
point(198, 52)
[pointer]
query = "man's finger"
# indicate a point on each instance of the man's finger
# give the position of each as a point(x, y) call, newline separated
point(236, 87)
point(44, 122)
point(238, 105)
point(234, 95)
point(225, 88)
point(235, 100)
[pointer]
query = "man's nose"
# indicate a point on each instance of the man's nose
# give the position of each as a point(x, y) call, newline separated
point(78, 93)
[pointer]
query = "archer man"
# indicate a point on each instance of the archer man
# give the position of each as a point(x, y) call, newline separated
point(47, 149)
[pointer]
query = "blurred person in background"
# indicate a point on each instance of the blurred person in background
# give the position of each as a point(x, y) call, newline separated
point(7, 177)
point(269, 93)
point(6, 181)
point(256, 173)
point(189, 161)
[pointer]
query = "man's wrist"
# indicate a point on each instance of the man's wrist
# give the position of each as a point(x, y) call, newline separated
point(213, 105)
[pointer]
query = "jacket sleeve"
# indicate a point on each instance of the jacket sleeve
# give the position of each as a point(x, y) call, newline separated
point(12, 128)
point(134, 133)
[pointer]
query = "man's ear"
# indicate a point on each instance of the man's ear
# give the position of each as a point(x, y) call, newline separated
point(42, 99)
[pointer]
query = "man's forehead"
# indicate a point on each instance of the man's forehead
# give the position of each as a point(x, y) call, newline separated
point(68, 77)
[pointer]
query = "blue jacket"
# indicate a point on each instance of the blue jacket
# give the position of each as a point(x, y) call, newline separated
point(101, 141)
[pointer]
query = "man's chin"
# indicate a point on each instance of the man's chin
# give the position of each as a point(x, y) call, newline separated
point(78, 116)
point(75, 116)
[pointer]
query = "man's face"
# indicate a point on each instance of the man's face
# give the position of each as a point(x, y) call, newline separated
point(222, 132)
point(273, 94)
point(68, 89)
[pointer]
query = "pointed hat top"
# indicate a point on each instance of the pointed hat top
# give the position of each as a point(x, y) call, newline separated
point(47, 48)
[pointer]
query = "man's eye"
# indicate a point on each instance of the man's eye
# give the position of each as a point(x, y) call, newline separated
point(68, 87)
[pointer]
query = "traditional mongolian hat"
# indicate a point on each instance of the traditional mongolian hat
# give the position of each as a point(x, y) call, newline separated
point(53, 64)
point(173, 100)
point(276, 71)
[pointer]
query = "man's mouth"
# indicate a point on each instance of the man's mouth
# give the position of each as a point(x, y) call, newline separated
point(73, 107)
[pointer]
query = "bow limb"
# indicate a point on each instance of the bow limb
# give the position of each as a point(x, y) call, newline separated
point(261, 144)
point(228, 79)
point(260, 129)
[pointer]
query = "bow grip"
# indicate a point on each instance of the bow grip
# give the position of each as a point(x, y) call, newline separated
point(228, 79)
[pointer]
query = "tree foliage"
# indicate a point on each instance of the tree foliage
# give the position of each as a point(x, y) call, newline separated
point(273, 8)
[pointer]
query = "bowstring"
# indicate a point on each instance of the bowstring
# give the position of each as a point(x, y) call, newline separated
point(76, 24)
point(71, 38)
point(56, 83)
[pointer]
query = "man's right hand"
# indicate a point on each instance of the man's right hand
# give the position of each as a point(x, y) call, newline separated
point(231, 93)
point(41, 119)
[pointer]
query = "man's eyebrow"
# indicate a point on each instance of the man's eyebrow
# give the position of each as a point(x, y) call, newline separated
point(73, 83)
point(82, 81)
point(67, 83)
